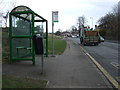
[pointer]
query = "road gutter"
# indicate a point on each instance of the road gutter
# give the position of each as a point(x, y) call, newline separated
point(107, 75)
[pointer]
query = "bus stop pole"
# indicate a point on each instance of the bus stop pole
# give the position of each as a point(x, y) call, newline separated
point(42, 56)
point(52, 36)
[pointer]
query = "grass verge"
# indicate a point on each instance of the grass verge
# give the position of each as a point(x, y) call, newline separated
point(59, 45)
point(19, 82)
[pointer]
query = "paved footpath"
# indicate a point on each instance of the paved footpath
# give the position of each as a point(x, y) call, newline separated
point(72, 69)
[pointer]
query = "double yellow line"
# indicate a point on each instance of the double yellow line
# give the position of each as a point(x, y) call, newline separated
point(109, 77)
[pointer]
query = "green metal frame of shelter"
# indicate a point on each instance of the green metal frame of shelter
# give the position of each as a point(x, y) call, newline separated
point(17, 33)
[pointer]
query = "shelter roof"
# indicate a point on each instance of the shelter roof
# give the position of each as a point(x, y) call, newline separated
point(25, 13)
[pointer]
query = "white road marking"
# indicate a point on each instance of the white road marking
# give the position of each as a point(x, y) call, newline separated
point(116, 65)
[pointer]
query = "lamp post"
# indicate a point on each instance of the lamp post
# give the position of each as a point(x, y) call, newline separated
point(92, 21)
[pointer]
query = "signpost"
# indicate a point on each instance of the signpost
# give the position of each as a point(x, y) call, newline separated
point(54, 19)
point(55, 16)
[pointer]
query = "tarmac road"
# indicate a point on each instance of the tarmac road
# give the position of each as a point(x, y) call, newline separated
point(106, 54)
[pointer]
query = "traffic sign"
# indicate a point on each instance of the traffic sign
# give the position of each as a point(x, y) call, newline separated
point(54, 16)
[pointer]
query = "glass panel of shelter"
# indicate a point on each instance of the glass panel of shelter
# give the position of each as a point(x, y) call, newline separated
point(21, 47)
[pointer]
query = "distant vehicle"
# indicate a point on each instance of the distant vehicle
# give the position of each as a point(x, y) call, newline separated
point(102, 39)
point(77, 35)
point(65, 36)
point(69, 35)
point(89, 36)
point(73, 36)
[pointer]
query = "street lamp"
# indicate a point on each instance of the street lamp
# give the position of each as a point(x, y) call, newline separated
point(92, 21)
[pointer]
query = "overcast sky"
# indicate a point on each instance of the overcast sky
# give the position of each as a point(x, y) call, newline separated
point(69, 10)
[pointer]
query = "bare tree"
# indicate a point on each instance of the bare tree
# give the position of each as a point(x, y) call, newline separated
point(13, 4)
point(1, 19)
point(82, 20)
point(115, 10)
point(109, 22)
point(73, 29)
point(4, 16)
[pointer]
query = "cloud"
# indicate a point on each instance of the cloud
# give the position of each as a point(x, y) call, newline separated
point(69, 10)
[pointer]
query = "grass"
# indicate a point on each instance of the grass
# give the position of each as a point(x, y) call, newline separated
point(59, 45)
point(19, 82)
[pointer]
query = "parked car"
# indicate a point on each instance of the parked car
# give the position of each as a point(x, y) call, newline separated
point(102, 39)
point(73, 36)
point(65, 36)
point(77, 35)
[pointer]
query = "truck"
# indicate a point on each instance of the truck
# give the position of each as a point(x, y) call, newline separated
point(89, 36)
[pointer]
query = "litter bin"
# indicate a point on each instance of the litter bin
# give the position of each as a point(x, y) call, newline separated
point(38, 44)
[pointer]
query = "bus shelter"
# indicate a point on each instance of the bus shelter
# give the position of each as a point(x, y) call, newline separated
point(24, 25)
